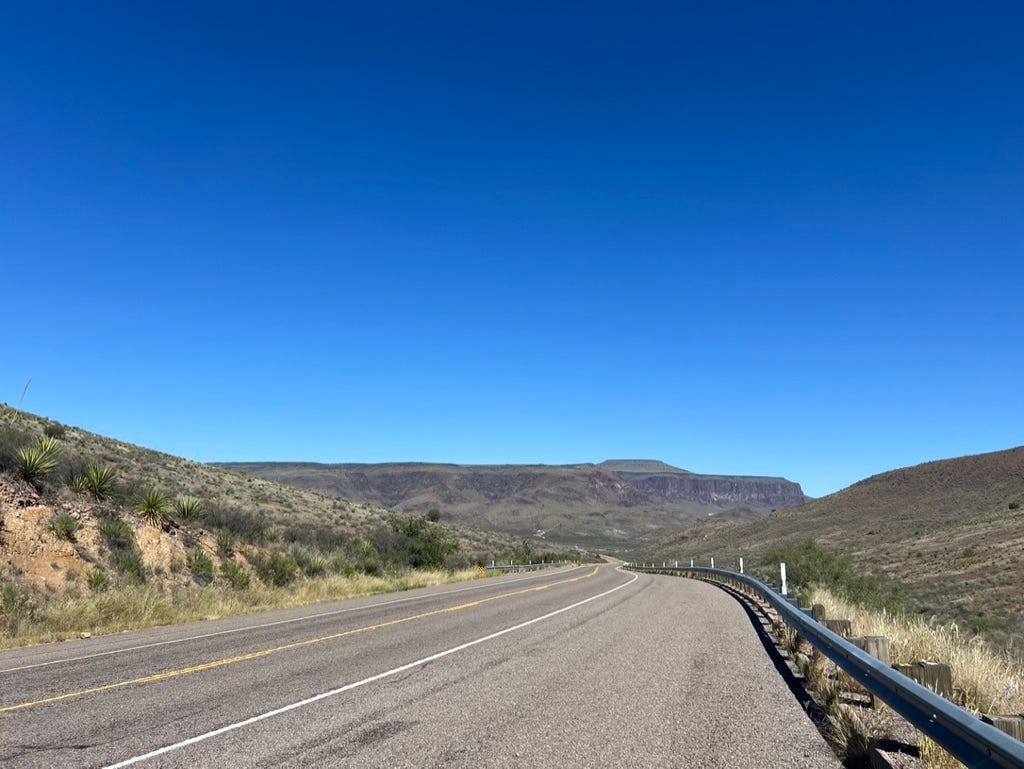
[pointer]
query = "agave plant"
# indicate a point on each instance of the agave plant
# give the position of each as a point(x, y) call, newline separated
point(188, 508)
point(99, 480)
point(153, 507)
point(35, 462)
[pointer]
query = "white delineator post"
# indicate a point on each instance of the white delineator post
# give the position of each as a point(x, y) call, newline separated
point(712, 563)
point(741, 565)
point(782, 570)
point(691, 563)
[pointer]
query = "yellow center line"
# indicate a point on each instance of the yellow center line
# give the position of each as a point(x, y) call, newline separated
point(287, 647)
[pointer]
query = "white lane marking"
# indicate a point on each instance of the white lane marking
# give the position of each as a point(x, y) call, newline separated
point(279, 622)
point(348, 687)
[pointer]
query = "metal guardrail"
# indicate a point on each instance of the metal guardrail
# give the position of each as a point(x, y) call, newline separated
point(966, 737)
point(514, 567)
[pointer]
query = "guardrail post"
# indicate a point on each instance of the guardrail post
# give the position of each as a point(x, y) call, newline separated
point(782, 570)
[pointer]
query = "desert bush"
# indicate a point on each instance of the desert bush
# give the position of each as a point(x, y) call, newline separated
point(54, 430)
point(188, 508)
point(201, 566)
point(339, 564)
point(64, 526)
point(129, 564)
point(100, 480)
point(809, 564)
point(249, 527)
point(234, 575)
point(17, 608)
point(277, 569)
point(153, 507)
point(97, 580)
point(117, 534)
point(39, 460)
point(226, 543)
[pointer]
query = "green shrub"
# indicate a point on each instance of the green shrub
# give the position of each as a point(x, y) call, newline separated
point(54, 430)
point(64, 526)
point(37, 461)
point(117, 534)
point(153, 507)
point(128, 563)
point(100, 479)
point(201, 566)
point(226, 543)
point(341, 565)
point(188, 508)
point(276, 569)
point(97, 580)
point(235, 575)
point(809, 564)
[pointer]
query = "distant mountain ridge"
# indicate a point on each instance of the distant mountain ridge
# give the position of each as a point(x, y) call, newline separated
point(613, 503)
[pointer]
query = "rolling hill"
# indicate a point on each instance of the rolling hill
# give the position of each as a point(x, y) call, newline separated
point(615, 504)
point(952, 531)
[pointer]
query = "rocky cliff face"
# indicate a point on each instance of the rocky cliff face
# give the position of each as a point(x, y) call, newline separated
point(721, 491)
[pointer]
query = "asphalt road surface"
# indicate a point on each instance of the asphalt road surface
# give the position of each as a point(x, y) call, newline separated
point(587, 667)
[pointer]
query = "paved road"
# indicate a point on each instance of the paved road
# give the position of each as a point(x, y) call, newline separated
point(582, 668)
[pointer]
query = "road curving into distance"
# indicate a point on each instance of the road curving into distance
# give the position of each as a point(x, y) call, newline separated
point(584, 667)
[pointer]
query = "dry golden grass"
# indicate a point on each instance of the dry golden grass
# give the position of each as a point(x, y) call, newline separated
point(133, 608)
point(989, 681)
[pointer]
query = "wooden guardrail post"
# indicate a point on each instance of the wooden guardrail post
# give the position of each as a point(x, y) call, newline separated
point(818, 612)
point(1012, 725)
point(935, 675)
point(878, 647)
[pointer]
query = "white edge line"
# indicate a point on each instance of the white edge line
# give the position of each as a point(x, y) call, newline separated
point(348, 687)
point(277, 622)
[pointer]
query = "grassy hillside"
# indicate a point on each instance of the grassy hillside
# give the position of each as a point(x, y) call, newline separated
point(254, 509)
point(951, 531)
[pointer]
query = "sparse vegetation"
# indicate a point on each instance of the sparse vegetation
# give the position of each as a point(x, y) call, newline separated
point(116, 533)
point(235, 575)
point(810, 564)
point(64, 526)
point(201, 566)
point(226, 543)
point(97, 580)
point(276, 569)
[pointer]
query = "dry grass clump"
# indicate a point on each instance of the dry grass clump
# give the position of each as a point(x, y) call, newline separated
point(141, 606)
point(989, 681)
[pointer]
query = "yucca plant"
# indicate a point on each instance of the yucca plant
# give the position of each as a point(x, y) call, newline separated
point(99, 480)
point(97, 580)
point(189, 508)
point(118, 534)
point(201, 566)
point(37, 461)
point(226, 543)
point(154, 507)
point(64, 526)
point(78, 483)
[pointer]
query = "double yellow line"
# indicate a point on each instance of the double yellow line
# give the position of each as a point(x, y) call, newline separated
point(287, 647)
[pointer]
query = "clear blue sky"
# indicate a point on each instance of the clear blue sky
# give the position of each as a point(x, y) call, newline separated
point(757, 238)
